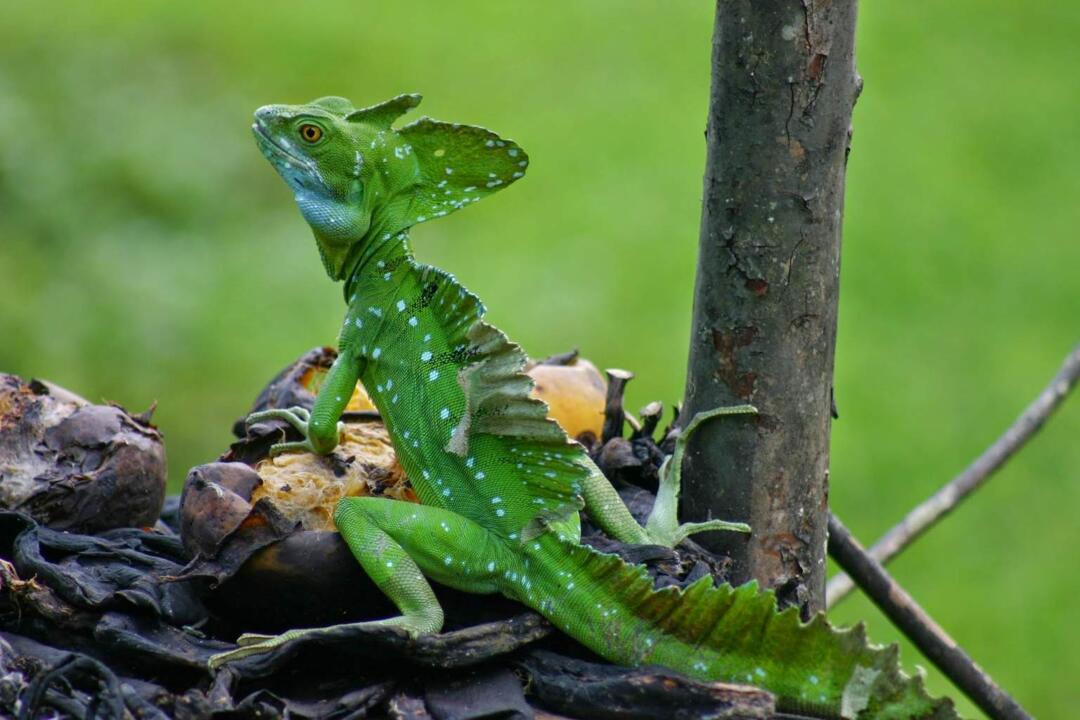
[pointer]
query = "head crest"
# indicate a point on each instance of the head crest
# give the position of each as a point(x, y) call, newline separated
point(337, 105)
point(385, 113)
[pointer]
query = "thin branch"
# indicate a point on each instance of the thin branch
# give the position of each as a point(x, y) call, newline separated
point(950, 495)
point(913, 621)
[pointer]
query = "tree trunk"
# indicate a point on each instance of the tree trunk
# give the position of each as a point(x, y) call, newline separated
point(765, 298)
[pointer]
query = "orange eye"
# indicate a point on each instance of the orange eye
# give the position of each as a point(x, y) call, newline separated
point(310, 132)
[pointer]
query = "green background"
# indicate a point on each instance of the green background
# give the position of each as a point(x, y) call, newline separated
point(148, 253)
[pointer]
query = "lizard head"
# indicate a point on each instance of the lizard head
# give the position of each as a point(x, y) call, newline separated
point(356, 178)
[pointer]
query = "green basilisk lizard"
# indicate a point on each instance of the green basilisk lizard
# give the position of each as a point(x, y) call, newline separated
point(500, 484)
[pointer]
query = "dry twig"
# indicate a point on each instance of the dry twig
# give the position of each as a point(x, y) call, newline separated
point(614, 412)
point(913, 621)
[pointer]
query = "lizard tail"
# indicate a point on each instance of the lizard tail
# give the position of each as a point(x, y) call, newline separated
point(719, 634)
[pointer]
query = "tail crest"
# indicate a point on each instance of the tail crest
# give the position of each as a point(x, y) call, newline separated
point(726, 634)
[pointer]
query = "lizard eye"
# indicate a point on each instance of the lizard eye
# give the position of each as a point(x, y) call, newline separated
point(311, 133)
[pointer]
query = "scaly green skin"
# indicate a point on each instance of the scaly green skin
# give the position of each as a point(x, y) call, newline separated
point(500, 484)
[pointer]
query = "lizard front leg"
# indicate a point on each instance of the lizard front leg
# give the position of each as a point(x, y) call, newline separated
point(398, 543)
point(321, 427)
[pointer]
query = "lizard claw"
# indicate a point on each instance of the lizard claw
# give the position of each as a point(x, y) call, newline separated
point(250, 644)
point(298, 417)
point(671, 539)
point(254, 644)
point(298, 446)
point(663, 525)
point(248, 639)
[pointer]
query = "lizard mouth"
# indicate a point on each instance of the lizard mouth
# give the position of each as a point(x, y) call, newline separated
point(298, 172)
point(267, 143)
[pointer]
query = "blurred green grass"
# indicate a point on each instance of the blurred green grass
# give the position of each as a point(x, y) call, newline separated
point(148, 253)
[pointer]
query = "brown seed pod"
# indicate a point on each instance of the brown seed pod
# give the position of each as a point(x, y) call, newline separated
point(76, 466)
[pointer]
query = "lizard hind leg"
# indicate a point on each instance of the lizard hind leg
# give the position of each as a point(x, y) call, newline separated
point(397, 542)
point(663, 525)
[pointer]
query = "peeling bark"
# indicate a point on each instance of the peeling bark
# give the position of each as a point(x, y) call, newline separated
point(765, 300)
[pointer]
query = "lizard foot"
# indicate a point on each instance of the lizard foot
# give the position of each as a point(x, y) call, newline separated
point(254, 644)
point(299, 418)
point(250, 644)
point(663, 526)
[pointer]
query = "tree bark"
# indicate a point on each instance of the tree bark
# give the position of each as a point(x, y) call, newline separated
point(765, 299)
